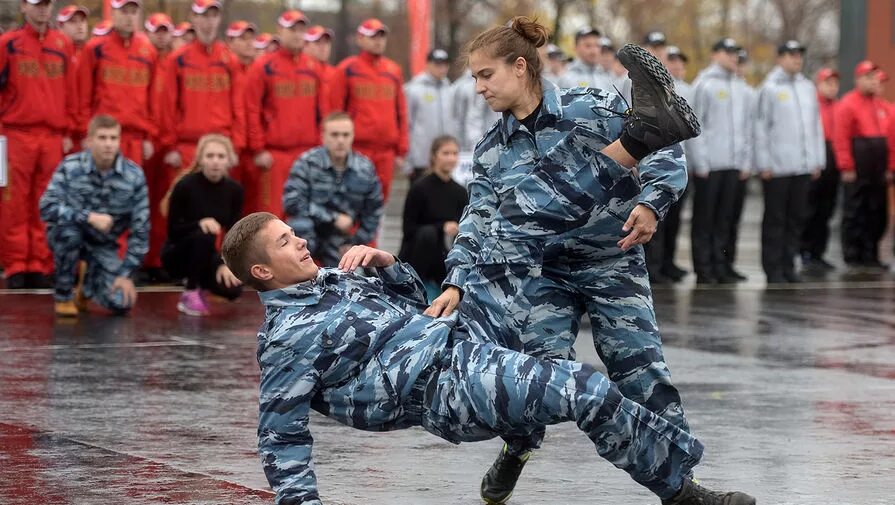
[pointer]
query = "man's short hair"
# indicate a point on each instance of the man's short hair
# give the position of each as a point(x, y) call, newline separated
point(101, 121)
point(336, 116)
point(242, 249)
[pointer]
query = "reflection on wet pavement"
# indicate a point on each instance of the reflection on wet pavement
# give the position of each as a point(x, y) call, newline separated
point(791, 390)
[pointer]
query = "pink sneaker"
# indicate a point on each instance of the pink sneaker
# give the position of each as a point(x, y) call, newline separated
point(192, 303)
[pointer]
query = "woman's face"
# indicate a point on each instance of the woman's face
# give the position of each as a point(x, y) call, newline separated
point(214, 161)
point(445, 160)
point(502, 85)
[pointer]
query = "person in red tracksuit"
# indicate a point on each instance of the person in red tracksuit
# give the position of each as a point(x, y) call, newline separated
point(282, 86)
point(201, 91)
point(319, 47)
point(116, 76)
point(860, 146)
point(369, 87)
point(37, 113)
point(72, 20)
point(241, 41)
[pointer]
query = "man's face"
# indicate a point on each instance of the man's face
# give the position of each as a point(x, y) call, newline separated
point(126, 20)
point(161, 39)
point(206, 24)
point(338, 136)
point(588, 49)
point(726, 59)
point(37, 15)
point(288, 260)
point(373, 45)
point(243, 46)
point(104, 144)
point(866, 83)
point(320, 49)
point(293, 38)
point(76, 28)
point(660, 52)
point(791, 63)
point(437, 69)
point(829, 88)
point(676, 67)
point(607, 58)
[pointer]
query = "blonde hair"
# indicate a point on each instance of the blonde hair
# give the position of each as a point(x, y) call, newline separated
point(204, 142)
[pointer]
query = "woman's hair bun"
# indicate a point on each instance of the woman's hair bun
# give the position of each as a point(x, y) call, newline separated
point(530, 30)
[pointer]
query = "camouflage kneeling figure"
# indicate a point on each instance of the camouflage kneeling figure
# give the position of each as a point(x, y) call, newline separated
point(360, 350)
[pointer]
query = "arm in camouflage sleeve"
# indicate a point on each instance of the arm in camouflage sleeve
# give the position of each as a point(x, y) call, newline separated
point(138, 236)
point(477, 216)
point(284, 440)
point(402, 280)
point(371, 213)
point(664, 178)
point(54, 207)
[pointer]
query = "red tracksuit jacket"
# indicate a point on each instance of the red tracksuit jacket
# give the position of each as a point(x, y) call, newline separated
point(370, 89)
point(827, 115)
point(37, 80)
point(201, 91)
point(115, 77)
point(857, 116)
point(285, 101)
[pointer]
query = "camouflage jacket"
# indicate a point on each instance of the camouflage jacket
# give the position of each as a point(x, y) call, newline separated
point(347, 346)
point(509, 169)
point(315, 192)
point(77, 189)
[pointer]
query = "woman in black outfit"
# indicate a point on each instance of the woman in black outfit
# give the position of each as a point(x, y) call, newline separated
point(432, 211)
point(202, 205)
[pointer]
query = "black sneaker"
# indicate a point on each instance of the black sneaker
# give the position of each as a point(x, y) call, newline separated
point(16, 281)
point(692, 493)
point(498, 483)
point(658, 116)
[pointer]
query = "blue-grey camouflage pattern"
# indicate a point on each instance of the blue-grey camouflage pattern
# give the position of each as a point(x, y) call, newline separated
point(358, 350)
point(76, 189)
point(538, 243)
point(315, 192)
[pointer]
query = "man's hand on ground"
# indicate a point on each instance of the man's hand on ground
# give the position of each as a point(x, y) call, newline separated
point(366, 257)
point(641, 224)
point(128, 291)
point(102, 222)
point(445, 304)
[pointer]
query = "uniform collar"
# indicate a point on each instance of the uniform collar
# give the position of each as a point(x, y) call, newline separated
point(370, 58)
point(289, 55)
point(117, 165)
point(301, 294)
point(551, 105)
point(30, 30)
point(350, 162)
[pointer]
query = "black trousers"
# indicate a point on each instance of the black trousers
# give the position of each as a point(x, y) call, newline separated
point(822, 195)
point(660, 250)
point(739, 201)
point(196, 259)
point(426, 253)
point(785, 208)
point(864, 209)
point(714, 205)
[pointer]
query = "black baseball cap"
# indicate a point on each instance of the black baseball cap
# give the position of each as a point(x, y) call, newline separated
point(673, 52)
point(727, 45)
point(554, 52)
point(585, 32)
point(438, 56)
point(655, 38)
point(790, 46)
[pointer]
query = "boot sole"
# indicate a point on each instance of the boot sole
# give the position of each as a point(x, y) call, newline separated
point(638, 61)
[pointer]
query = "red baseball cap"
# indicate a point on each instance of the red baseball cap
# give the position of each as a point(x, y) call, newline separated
point(263, 40)
point(825, 73)
point(317, 32)
point(102, 28)
point(289, 19)
point(371, 27)
point(181, 28)
point(157, 21)
point(66, 13)
point(882, 76)
point(117, 4)
point(865, 67)
point(238, 28)
point(202, 6)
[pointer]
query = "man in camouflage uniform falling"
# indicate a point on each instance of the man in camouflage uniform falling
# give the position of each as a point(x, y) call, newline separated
point(358, 350)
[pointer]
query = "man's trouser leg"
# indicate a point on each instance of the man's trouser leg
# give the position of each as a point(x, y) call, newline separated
point(878, 203)
point(132, 146)
point(272, 181)
point(729, 185)
point(796, 212)
point(158, 178)
point(40, 259)
point(736, 216)
point(821, 205)
point(384, 161)
point(488, 390)
point(103, 265)
point(773, 225)
point(853, 217)
point(672, 225)
point(705, 198)
point(247, 175)
point(23, 153)
point(66, 243)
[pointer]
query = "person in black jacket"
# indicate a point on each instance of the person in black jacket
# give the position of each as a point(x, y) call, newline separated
point(202, 205)
point(432, 212)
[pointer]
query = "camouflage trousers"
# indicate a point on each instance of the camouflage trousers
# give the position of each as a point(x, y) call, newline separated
point(69, 246)
point(480, 390)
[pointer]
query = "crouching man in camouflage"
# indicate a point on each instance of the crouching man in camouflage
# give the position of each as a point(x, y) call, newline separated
point(359, 350)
